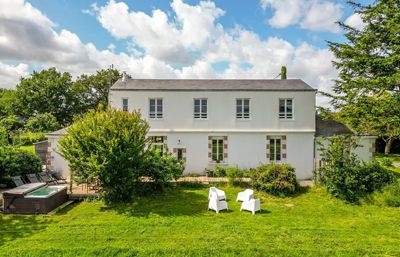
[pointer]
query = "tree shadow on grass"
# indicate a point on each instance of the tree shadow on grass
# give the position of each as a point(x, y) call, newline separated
point(176, 200)
point(18, 226)
point(301, 190)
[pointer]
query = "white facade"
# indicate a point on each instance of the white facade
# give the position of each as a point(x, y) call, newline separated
point(246, 142)
point(57, 162)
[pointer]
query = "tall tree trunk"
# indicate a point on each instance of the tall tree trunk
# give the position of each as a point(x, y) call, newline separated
point(388, 145)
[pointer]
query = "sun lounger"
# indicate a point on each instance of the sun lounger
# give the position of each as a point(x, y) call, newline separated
point(17, 181)
point(32, 178)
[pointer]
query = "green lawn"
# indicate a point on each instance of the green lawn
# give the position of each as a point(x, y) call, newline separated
point(177, 223)
point(30, 148)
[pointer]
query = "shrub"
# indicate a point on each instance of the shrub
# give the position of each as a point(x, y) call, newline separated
point(17, 162)
point(219, 171)
point(28, 138)
point(234, 174)
point(162, 168)
point(109, 145)
point(345, 176)
point(276, 179)
point(42, 122)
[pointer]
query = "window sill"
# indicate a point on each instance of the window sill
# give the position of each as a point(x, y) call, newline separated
point(200, 119)
point(286, 119)
point(243, 119)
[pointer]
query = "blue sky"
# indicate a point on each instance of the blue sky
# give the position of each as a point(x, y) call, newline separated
point(249, 14)
point(173, 38)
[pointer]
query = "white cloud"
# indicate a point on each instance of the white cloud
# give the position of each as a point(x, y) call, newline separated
point(287, 12)
point(191, 36)
point(10, 74)
point(355, 21)
point(314, 15)
point(167, 40)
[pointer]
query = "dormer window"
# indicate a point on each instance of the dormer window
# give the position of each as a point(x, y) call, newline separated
point(156, 108)
point(286, 109)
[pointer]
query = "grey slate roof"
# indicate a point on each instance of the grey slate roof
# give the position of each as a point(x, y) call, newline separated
point(212, 85)
point(328, 127)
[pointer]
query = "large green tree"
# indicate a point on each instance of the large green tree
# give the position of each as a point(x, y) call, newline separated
point(112, 146)
point(108, 145)
point(7, 102)
point(47, 91)
point(92, 90)
point(367, 91)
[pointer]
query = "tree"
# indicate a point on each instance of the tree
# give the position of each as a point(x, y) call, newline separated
point(377, 115)
point(109, 145)
point(42, 122)
point(369, 71)
point(93, 90)
point(16, 162)
point(7, 102)
point(48, 91)
point(11, 123)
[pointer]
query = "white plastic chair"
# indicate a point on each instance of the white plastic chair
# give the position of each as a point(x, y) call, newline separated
point(217, 205)
point(252, 205)
point(245, 195)
point(220, 193)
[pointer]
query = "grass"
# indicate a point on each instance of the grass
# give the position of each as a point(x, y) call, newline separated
point(29, 148)
point(395, 158)
point(177, 223)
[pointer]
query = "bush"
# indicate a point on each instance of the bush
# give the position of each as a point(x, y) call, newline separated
point(17, 162)
point(234, 174)
point(345, 176)
point(162, 168)
point(42, 122)
point(389, 196)
point(109, 145)
point(218, 171)
point(28, 138)
point(276, 179)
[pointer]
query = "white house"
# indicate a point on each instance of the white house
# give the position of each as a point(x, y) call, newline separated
point(242, 123)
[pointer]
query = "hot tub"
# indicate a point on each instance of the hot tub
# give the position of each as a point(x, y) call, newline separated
point(34, 198)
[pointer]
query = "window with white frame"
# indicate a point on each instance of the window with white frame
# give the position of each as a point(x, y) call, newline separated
point(217, 149)
point(156, 108)
point(125, 104)
point(200, 108)
point(242, 108)
point(157, 142)
point(275, 152)
point(286, 109)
